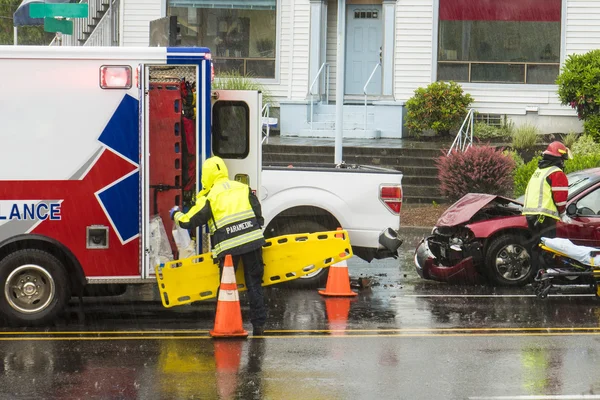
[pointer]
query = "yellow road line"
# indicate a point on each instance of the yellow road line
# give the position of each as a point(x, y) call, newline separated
point(389, 330)
point(390, 335)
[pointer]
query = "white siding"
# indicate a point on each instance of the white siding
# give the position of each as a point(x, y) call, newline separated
point(583, 26)
point(137, 15)
point(299, 71)
point(414, 46)
point(331, 45)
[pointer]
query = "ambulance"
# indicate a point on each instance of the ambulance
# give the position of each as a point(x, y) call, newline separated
point(98, 143)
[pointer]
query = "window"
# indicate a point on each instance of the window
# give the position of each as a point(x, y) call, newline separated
point(231, 129)
point(589, 205)
point(508, 41)
point(240, 34)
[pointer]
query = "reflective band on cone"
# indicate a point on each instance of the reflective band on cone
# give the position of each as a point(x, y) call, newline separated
point(228, 321)
point(338, 280)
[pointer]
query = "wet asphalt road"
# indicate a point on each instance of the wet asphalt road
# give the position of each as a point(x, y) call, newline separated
point(404, 338)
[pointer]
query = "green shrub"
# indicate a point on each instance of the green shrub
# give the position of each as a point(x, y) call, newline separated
point(441, 106)
point(569, 139)
point(236, 81)
point(579, 83)
point(516, 158)
point(480, 169)
point(585, 145)
point(483, 131)
point(508, 126)
point(525, 137)
point(523, 174)
point(580, 162)
point(591, 126)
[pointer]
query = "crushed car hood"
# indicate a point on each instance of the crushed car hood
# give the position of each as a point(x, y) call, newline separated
point(465, 208)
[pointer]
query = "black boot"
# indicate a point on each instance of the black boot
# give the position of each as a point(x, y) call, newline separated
point(258, 331)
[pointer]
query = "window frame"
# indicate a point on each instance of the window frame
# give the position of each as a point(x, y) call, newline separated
point(278, 30)
point(497, 85)
point(216, 132)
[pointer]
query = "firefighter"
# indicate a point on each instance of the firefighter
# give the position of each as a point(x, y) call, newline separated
point(234, 217)
point(546, 197)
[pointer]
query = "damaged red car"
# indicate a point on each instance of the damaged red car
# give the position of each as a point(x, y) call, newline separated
point(485, 237)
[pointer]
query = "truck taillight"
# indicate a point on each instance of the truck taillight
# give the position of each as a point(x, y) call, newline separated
point(115, 77)
point(391, 196)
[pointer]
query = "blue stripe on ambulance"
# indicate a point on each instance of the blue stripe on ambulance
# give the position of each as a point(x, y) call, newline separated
point(122, 200)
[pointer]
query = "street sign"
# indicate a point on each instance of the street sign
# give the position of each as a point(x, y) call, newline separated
point(65, 10)
point(58, 25)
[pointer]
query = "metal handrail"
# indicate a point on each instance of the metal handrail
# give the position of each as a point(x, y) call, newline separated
point(310, 89)
point(464, 138)
point(365, 90)
point(266, 114)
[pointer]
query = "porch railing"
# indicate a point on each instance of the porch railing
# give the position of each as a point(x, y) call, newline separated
point(464, 137)
point(312, 85)
point(365, 90)
point(100, 28)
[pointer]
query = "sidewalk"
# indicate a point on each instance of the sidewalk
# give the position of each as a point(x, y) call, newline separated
point(347, 142)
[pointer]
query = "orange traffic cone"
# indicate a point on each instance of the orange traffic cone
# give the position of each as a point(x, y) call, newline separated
point(228, 355)
point(338, 281)
point(228, 321)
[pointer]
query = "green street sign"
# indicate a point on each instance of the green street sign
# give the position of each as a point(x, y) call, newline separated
point(66, 10)
point(58, 25)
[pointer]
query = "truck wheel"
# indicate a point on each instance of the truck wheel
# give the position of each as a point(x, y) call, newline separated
point(508, 262)
point(319, 277)
point(35, 287)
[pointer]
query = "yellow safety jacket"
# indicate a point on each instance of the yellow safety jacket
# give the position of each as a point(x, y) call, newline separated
point(234, 227)
point(225, 205)
point(538, 195)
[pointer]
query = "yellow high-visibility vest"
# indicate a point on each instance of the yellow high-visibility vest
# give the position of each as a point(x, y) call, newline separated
point(234, 227)
point(538, 195)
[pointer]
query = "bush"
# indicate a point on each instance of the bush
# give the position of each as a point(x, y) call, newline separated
point(580, 162)
point(569, 139)
point(525, 137)
point(483, 131)
point(440, 106)
point(237, 81)
point(522, 175)
point(480, 169)
point(578, 83)
point(584, 146)
point(591, 126)
point(515, 157)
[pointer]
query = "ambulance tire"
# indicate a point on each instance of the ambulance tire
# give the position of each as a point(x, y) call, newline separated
point(44, 287)
point(318, 278)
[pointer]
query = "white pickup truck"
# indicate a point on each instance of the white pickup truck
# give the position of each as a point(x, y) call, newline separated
point(364, 200)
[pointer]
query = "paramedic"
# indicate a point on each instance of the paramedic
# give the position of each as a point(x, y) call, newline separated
point(234, 217)
point(546, 197)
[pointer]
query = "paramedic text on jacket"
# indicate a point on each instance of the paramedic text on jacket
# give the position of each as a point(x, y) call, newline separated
point(32, 212)
point(234, 217)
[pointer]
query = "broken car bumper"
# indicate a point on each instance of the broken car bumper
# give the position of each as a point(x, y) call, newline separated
point(428, 267)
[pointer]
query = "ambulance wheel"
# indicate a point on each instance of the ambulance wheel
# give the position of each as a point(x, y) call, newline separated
point(319, 277)
point(35, 287)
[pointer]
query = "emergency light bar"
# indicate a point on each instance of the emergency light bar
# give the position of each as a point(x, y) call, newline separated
point(115, 77)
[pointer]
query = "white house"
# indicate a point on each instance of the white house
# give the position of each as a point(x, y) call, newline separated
point(506, 53)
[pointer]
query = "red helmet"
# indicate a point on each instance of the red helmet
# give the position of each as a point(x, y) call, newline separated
point(557, 149)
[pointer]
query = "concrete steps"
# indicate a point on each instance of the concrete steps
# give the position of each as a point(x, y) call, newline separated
point(420, 183)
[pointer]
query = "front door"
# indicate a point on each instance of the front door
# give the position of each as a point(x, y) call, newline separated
point(364, 41)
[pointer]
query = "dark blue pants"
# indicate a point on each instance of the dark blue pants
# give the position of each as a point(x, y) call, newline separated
point(254, 269)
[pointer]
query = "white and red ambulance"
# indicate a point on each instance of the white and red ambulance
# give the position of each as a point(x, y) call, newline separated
point(98, 142)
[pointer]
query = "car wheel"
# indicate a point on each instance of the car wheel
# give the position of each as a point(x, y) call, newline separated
point(35, 287)
point(319, 277)
point(508, 262)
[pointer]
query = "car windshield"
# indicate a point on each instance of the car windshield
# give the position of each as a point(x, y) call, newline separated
point(579, 181)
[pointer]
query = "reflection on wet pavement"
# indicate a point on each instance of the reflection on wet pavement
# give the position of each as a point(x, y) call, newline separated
point(401, 338)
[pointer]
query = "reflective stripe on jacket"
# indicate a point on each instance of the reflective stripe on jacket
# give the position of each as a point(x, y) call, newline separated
point(538, 195)
point(234, 227)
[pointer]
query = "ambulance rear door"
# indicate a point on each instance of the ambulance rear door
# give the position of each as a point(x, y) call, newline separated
point(236, 134)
